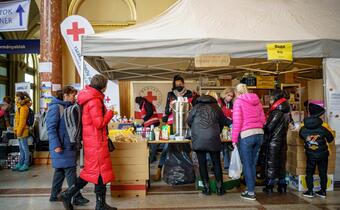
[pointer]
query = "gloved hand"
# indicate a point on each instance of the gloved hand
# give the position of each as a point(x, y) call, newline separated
point(165, 119)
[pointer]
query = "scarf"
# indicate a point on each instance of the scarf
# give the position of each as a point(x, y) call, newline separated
point(180, 94)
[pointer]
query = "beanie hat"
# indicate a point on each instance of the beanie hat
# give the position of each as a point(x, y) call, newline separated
point(315, 110)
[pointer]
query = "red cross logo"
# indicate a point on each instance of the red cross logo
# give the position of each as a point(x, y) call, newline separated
point(75, 31)
point(107, 100)
point(150, 97)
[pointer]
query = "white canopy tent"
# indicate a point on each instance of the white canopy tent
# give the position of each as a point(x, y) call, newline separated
point(238, 28)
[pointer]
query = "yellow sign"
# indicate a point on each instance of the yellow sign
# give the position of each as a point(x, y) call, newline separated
point(212, 60)
point(265, 82)
point(280, 51)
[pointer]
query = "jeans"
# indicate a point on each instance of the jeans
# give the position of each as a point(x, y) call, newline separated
point(249, 149)
point(322, 164)
point(202, 161)
point(163, 156)
point(226, 156)
point(24, 151)
point(99, 188)
point(58, 179)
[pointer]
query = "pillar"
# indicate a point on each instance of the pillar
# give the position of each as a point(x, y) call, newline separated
point(50, 40)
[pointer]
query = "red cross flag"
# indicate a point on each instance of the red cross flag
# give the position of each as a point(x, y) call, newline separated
point(72, 28)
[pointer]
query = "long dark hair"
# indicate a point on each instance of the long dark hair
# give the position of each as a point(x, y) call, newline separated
point(176, 78)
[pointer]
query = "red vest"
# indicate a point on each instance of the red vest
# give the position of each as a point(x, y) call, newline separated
point(153, 119)
point(226, 111)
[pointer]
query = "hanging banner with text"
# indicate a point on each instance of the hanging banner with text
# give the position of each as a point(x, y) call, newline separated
point(72, 28)
point(18, 46)
point(14, 15)
point(280, 51)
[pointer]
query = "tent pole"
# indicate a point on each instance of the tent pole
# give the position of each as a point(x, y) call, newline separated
point(82, 85)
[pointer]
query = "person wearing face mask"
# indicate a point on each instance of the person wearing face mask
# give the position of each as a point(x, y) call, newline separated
point(275, 142)
point(178, 90)
point(63, 152)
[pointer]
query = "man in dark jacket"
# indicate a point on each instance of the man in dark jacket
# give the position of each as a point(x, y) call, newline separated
point(275, 142)
point(63, 152)
point(316, 134)
point(206, 121)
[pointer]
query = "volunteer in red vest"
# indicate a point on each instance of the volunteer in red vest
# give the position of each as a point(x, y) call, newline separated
point(148, 112)
point(178, 90)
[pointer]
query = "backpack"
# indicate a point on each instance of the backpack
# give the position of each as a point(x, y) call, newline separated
point(43, 135)
point(30, 118)
point(73, 122)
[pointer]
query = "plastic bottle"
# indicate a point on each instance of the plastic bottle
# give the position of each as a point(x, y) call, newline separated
point(152, 133)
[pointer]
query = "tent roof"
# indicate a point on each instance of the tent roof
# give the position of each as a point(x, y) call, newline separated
point(240, 28)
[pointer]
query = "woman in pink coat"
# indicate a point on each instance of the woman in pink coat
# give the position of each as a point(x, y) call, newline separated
point(97, 162)
point(248, 122)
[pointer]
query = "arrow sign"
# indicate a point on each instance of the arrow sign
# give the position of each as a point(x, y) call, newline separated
point(14, 15)
point(20, 10)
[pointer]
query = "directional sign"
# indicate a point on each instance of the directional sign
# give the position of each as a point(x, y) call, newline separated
point(14, 15)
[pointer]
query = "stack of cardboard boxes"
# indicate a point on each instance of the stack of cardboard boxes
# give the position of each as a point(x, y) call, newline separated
point(297, 160)
point(131, 169)
point(41, 158)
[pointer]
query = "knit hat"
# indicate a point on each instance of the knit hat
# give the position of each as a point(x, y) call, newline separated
point(315, 110)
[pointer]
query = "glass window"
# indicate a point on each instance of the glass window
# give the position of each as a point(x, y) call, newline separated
point(29, 78)
point(2, 91)
point(30, 61)
point(3, 71)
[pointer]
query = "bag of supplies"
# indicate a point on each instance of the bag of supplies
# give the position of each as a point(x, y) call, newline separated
point(235, 168)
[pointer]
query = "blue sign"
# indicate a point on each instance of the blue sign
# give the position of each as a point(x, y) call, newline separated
point(14, 15)
point(17, 46)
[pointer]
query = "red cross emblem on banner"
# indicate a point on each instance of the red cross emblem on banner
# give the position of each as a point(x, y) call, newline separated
point(150, 97)
point(107, 99)
point(75, 31)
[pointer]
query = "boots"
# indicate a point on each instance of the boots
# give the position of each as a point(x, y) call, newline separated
point(282, 188)
point(268, 189)
point(158, 174)
point(206, 187)
point(101, 202)
point(79, 200)
point(67, 195)
point(219, 188)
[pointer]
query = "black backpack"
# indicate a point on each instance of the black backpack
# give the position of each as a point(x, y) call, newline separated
point(30, 118)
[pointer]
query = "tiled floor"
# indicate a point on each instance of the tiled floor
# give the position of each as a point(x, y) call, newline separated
point(30, 190)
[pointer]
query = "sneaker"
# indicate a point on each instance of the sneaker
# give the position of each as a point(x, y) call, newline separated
point(17, 167)
point(321, 193)
point(23, 168)
point(245, 195)
point(308, 194)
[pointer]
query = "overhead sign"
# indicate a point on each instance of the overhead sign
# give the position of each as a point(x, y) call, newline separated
point(280, 51)
point(14, 15)
point(72, 28)
point(16, 46)
point(212, 60)
point(265, 82)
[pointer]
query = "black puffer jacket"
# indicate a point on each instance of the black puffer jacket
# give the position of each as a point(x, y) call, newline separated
point(206, 121)
point(315, 129)
point(275, 141)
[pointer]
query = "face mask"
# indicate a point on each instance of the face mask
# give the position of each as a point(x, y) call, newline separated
point(179, 88)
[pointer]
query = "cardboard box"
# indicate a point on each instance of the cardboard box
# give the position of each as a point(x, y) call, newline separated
point(299, 182)
point(41, 154)
point(293, 138)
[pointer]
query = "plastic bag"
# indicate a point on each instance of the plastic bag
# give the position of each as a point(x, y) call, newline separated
point(178, 166)
point(235, 168)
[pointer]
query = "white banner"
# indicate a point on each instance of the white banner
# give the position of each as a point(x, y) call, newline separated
point(72, 28)
point(156, 92)
point(14, 15)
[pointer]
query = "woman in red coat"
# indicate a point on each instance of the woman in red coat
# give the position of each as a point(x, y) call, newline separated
point(97, 167)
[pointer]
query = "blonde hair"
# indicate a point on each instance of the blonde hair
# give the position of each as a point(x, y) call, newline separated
point(212, 94)
point(241, 89)
point(226, 91)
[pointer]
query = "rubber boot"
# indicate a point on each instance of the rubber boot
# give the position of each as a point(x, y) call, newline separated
point(206, 187)
point(282, 188)
point(219, 188)
point(158, 174)
point(79, 200)
point(101, 202)
point(67, 195)
point(268, 189)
